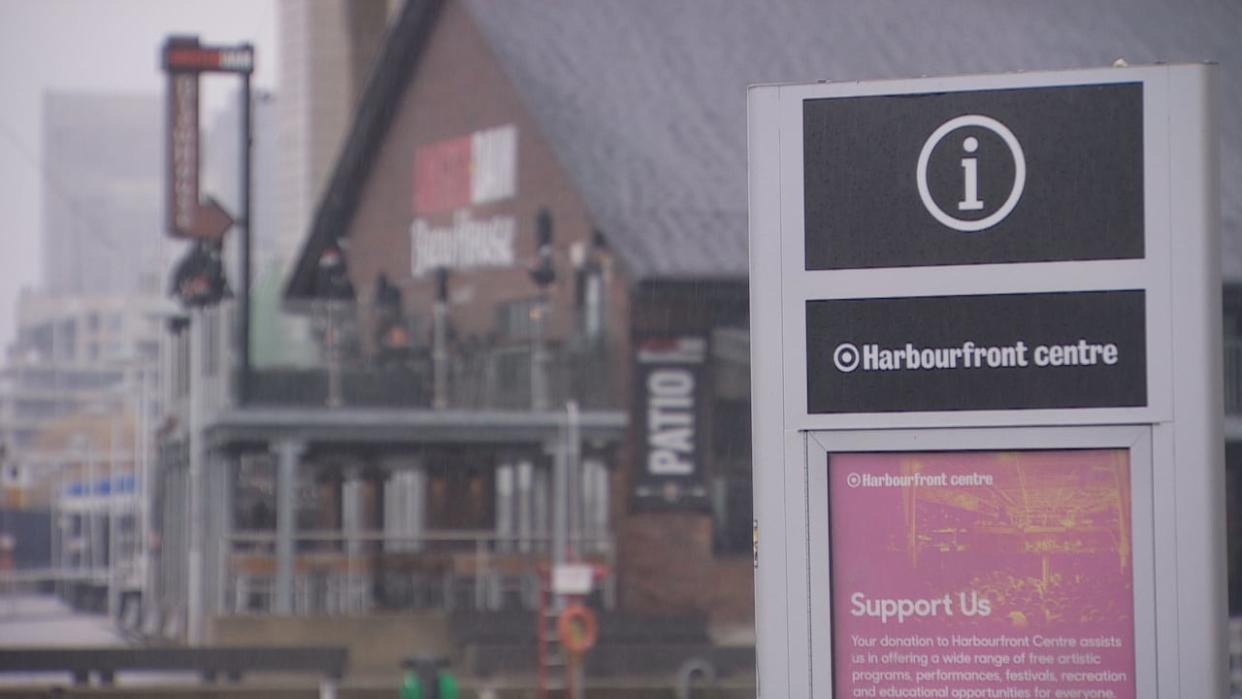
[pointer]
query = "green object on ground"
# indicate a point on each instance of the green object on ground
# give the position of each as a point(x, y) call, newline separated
point(412, 687)
point(448, 686)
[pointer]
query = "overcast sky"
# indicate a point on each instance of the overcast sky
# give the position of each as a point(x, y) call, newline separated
point(100, 46)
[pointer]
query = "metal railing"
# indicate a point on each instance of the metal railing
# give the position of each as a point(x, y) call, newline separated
point(479, 378)
point(355, 573)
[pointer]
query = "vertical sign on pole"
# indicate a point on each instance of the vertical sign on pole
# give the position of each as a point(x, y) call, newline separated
point(987, 386)
point(184, 60)
point(199, 278)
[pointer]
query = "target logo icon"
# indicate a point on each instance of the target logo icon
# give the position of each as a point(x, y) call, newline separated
point(846, 357)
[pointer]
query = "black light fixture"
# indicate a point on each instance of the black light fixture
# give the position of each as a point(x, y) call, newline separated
point(198, 279)
point(332, 282)
point(442, 278)
point(391, 334)
point(542, 272)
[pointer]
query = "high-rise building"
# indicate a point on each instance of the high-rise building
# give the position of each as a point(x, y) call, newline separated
point(276, 338)
point(90, 333)
point(326, 50)
point(103, 194)
point(76, 355)
point(79, 386)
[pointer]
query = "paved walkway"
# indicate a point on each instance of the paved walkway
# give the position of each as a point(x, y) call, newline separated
point(36, 620)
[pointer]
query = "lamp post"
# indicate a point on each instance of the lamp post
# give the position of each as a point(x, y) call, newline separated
point(439, 341)
point(543, 274)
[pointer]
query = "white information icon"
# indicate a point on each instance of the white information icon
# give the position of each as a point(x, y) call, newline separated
point(970, 173)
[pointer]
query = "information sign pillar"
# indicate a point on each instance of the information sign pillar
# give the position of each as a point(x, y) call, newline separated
point(986, 366)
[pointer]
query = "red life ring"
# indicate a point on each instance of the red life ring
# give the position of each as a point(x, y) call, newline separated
point(577, 628)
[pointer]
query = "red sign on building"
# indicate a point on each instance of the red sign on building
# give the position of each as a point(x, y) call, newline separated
point(184, 59)
point(474, 169)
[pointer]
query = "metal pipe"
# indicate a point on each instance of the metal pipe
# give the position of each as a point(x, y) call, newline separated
point(439, 353)
point(194, 558)
point(88, 511)
point(574, 477)
point(113, 530)
point(142, 488)
point(560, 507)
point(289, 452)
point(538, 355)
point(243, 382)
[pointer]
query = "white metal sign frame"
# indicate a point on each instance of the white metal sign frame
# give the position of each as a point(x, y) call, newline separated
point(1180, 275)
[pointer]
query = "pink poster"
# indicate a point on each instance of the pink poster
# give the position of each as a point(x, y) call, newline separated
point(982, 575)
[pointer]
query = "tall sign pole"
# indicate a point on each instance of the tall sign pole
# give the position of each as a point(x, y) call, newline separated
point(987, 391)
point(205, 220)
point(247, 154)
point(199, 277)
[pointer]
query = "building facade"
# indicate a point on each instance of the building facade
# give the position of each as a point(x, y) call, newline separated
point(528, 276)
point(80, 384)
point(79, 397)
point(325, 53)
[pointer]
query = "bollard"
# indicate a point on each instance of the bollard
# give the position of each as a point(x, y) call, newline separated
point(693, 672)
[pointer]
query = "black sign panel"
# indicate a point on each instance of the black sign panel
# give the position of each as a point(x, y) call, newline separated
point(668, 422)
point(1022, 175)
point(990, 352)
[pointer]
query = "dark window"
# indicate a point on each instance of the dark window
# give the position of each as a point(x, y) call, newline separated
point(461, 496)
point(515, 319)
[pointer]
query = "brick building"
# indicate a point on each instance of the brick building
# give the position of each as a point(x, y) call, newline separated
point(530, 257)
point(480, 119)
point(445, 192)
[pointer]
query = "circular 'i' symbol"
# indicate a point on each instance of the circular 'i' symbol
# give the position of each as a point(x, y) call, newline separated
point(968, 198)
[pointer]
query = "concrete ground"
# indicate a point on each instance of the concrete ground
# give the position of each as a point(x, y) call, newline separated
point(32, 620)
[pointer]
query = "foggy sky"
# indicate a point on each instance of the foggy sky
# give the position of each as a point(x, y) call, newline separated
point(96, 46)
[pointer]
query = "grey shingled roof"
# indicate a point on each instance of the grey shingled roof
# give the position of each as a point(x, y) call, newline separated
point(644, 100)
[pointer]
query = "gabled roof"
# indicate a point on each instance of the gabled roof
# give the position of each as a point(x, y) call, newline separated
point(644, 101)
point(394, 64)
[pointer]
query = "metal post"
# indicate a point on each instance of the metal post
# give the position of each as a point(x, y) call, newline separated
point(418, 505)
point(221, 479)
point(142, 488)
point(243, 381)
point(538, 355)
point(288, 453)
point(577, 677)
point(88, 511)
point(114, 538)
point(504, 506)
point(573, 458)
point(197, 521)
point(335, 399)
point(439, 353)
point(560, 509)
point(57, 536)
point(352, 524)
point(525, 510)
